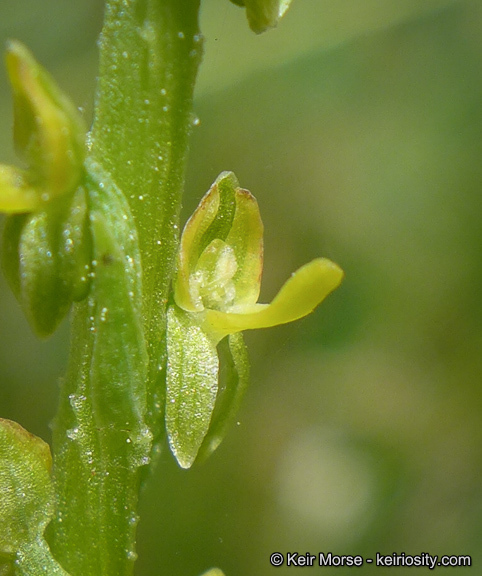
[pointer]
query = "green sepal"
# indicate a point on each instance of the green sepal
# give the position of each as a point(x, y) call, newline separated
point(263, 14)
point(26, 503)
point(235, 365)
point(46, 258)
point(191, 385)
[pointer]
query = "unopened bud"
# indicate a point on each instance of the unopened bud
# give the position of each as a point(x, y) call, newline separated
point(263, 14)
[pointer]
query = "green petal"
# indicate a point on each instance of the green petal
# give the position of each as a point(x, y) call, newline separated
point(192, 383)
point(246, 239)
point(226, 221)
point(306, 288)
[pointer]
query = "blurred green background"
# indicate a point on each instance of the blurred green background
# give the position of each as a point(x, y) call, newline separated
point(358, 126)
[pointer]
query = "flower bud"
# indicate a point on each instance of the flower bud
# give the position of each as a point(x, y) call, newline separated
point(46, 249)
point(263, 14)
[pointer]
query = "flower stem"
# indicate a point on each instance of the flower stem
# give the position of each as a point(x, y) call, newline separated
point(111, 404)
point(150, 52)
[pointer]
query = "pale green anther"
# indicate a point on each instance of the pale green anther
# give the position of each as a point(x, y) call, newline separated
point(263, 14)
point(49, 134)
point(216, 288)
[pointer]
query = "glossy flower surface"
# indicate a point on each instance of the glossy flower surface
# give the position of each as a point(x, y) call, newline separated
point(216, 289)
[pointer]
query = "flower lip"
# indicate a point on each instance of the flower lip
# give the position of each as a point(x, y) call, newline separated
point(300, 295)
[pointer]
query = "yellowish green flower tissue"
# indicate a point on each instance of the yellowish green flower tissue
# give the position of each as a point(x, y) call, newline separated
point(46, 248)
point(216, 288)
point(49, 135)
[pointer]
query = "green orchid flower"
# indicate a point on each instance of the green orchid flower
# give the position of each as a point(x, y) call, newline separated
point(46, 245)
point(216, 289)
point(48, 132)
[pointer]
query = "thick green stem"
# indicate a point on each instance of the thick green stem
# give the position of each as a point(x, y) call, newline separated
point(111, 404)
point(150, 51)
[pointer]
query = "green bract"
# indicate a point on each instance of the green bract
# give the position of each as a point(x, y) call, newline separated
point(215, 292)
